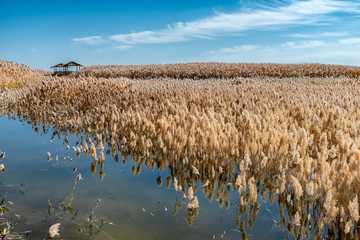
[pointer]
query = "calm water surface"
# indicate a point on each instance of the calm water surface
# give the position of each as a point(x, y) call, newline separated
point(121, 206)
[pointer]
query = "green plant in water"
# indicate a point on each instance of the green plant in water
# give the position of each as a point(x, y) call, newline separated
point(49, 207)
point(3, 207)
point(20, 189)
point(6, 229)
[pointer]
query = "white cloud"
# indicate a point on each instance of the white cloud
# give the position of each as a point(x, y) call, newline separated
point(335, 54)
point(297, 13)
point(35, 51)
point(148, 37)
point(237, 49)
point(350, 41)
point(318, 35)
point(303, 44)
point(123, 47)
point(93, 40)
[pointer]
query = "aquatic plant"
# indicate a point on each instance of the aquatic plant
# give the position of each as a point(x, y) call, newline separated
point(294, 138)
point(13, 75)
point(54, 231)
point(2, 167)
point(7, 225)
point(219, 70)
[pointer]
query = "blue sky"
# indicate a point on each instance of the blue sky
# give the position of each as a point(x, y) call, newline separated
point(43, 33)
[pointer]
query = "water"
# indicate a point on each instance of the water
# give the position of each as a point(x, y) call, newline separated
point(121, 206)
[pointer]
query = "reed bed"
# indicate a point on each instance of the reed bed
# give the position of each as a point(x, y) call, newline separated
point(297, 139)
point(219, 70)
point(13, 75)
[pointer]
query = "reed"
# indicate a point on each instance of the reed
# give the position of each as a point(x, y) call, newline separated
point(54, 231)
point(294, 138)
point(13, 75)
point(219, 70)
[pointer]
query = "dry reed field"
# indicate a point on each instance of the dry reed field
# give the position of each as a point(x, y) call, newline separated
point(293, 134)
point(16, 75)
point(219, 70)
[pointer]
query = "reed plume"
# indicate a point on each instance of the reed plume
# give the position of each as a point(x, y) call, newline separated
point(285, 132)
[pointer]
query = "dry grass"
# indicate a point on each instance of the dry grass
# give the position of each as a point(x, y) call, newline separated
point(220, 70)
point(294, 138)
point(16, 75)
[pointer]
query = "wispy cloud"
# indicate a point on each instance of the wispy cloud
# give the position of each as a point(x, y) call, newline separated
point(236, 49)
point(35, 51)
point(169, 35)
point(350, 41)
point(297, 13)
point(319, 35)
point(93, 40)
point(303, 44)
point(123, 47)
point(335, 53)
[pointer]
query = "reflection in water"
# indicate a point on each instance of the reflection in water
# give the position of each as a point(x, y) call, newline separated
point(257, 138)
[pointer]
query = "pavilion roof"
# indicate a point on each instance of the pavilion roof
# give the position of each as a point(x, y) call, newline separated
point(69, 64)
point(58, 65)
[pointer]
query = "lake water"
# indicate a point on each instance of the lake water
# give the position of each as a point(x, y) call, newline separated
point(121, 206)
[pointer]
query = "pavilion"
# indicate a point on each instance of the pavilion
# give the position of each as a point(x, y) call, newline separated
point(65, 69)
